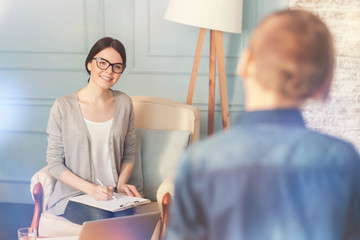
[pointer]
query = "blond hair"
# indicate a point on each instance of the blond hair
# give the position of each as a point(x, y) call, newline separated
point(293, 53)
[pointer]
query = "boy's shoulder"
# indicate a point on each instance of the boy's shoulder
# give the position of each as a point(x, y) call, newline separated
point(237, 147)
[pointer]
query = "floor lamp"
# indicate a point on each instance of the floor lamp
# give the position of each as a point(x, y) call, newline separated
point(218, 16)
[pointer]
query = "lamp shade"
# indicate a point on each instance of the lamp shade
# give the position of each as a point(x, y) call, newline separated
point(221, 15)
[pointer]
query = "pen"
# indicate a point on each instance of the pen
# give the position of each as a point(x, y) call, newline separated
point(104, 186)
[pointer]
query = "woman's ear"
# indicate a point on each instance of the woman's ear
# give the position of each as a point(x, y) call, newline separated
point(89, 66)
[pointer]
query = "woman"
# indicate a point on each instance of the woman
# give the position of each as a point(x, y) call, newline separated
point(91, 137)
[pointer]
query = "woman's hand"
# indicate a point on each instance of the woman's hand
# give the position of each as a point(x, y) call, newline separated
point(122, 187)
point(101, 193)
point(98, 192)
point(128, 189)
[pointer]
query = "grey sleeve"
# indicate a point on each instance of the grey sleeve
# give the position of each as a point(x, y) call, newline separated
point(55, 155)
point(130, 139)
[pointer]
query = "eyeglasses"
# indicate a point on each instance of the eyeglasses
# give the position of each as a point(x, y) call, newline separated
point(104, 64)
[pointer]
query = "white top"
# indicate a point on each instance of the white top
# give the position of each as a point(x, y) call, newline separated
point(99, 132)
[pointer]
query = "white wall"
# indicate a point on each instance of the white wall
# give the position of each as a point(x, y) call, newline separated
point(339, 116)
point(43, 47)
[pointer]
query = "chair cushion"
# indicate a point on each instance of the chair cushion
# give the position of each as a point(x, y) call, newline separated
point(51, 225)
point(160, 153)
point(136, 177)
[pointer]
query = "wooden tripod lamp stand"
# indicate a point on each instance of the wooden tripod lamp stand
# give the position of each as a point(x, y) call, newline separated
point(218, 16)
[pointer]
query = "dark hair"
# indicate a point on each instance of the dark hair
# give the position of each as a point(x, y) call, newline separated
point(294, 52)
point(101, 45)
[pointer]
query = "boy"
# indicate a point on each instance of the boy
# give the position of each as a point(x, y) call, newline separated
point(270, 177)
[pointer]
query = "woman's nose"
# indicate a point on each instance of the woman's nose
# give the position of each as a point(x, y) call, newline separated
point(109, 70)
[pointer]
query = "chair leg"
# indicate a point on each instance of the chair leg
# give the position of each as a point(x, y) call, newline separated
point(38, 197)
point(166, 203)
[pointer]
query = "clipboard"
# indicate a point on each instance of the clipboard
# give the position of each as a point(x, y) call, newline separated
point(122, 202)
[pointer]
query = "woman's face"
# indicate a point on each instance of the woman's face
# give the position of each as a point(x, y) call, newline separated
point(105, 78)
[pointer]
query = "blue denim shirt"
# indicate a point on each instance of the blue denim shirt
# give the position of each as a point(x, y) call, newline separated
point(268, 178)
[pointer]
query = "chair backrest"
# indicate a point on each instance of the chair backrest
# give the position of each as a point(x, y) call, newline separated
point(164, 114)
point(160, 151)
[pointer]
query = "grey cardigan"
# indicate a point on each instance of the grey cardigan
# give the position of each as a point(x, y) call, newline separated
point(69, 144)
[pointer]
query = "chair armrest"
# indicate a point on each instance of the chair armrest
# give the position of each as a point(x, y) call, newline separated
point(166, 204)
point(164, 197)
point(47, 182)
point(167, 186)
point(38, 198)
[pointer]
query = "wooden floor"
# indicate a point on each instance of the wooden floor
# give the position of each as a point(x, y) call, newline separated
point(12, 217)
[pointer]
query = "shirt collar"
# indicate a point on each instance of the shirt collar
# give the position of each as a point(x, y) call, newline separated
point(272, 117)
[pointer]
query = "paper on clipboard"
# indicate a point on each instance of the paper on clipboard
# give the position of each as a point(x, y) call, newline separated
point(122, 202)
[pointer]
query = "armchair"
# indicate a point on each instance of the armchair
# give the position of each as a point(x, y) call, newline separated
point(155, 118)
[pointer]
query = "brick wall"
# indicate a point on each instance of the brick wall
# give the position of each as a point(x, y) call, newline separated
point(340, 116)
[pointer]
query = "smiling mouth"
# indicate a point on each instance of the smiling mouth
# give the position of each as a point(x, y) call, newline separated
point(108, 79)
